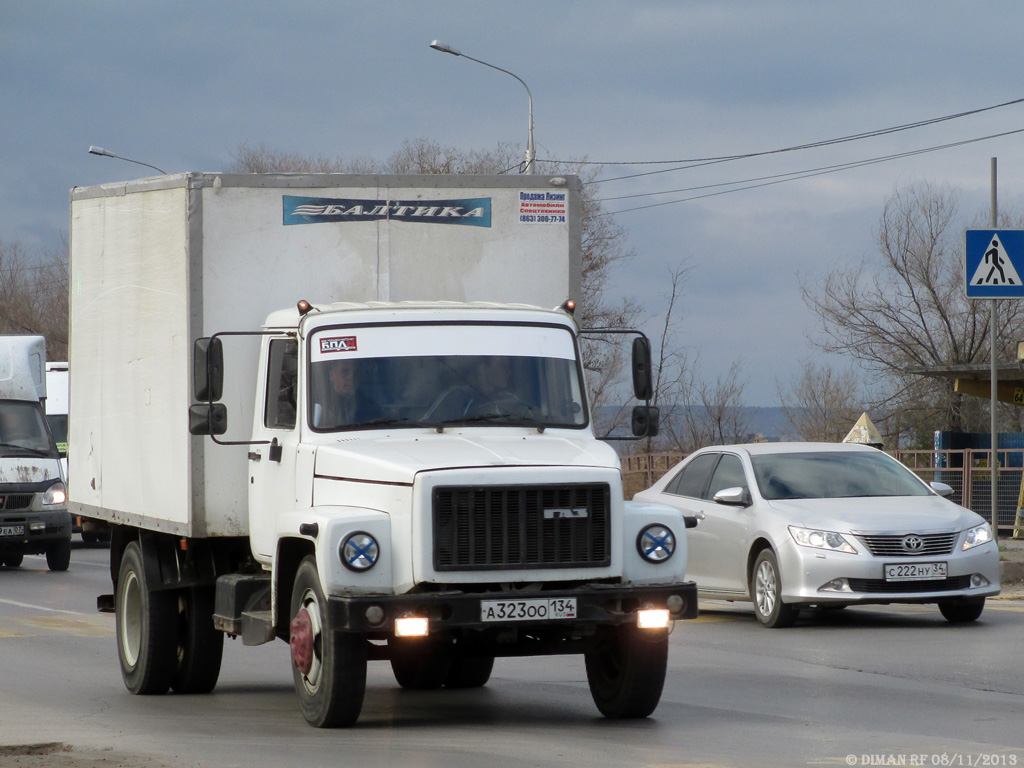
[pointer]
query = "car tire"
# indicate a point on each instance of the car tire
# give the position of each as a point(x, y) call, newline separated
point(962, 611)
point(626, 670)
point(332, 688)
point(58, 555)
point(766, 593)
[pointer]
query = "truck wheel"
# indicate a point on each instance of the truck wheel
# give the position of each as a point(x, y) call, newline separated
point(145, 627)
point(468, 671)
point(13, 559)
point(200, 645)
point(963, 611)
point(766, 591)
point(419, 663)
point(58, 555)
point(329, 667)
point(626, 670)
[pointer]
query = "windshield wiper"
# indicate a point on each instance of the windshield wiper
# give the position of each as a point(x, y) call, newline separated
point(31, 451)
point(499, 418)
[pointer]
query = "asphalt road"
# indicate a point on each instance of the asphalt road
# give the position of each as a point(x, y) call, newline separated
point(855, 687)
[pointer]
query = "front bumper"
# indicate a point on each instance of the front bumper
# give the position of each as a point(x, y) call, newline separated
point(595, 604)
point(808, 574)
point(30, 531)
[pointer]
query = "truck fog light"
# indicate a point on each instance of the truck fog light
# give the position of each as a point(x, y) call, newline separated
point(652, 618)
point(412, 626)
point(977, 580)
point(675, 603)
point(374, 615)
point(359, 551)
point(37, 526)
point(656, 543)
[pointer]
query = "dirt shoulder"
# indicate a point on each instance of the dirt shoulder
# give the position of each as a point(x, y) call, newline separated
point(1011, 569)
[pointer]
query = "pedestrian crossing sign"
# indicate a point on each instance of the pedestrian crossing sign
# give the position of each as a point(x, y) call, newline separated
point(994, 263)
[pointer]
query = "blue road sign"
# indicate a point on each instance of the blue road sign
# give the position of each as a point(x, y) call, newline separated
point(994, 263)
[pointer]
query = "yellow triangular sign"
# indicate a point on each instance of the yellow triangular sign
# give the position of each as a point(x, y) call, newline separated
point(864, 432)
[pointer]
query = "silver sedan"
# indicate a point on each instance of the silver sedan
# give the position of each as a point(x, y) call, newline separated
point(794, 525)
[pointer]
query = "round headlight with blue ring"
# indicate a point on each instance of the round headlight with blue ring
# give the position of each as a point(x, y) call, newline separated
point(656, 543)
point(359, 551)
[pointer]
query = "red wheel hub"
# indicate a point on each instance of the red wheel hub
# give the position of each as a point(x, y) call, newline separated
point(301, 642)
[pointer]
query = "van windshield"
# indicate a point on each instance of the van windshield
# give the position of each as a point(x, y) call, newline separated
point(23, 430)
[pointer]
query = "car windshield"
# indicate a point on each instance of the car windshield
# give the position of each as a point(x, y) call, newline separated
point(833, 475)
point(23, 430)
point(449, 375)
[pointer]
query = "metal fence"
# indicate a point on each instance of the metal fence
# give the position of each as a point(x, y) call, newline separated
point(967, 472)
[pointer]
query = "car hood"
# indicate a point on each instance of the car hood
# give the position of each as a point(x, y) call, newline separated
point(889, 514)
point(393, 459)
point(14, 470)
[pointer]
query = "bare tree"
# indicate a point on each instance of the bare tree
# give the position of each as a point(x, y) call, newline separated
point(711, 413)
point(907, 309)
point(34, 295)
point(822, 403)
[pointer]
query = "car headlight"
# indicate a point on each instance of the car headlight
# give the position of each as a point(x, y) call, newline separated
point(359, 551)
point(55, 495)
point(827, 540)
point(656, 543)
point(978, 535)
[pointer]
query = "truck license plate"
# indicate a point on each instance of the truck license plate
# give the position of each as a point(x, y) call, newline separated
point(914, 571)
point(12, 530)
point(534, 609)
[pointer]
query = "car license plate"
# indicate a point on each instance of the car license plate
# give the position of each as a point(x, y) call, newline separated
point(534, 609)
point(915, 571)
point(12, 530)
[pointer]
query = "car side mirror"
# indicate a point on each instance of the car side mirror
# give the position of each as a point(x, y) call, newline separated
point(942, 489)
point(733, 497)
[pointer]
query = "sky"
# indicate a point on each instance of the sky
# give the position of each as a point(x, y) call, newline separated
point(183, 85)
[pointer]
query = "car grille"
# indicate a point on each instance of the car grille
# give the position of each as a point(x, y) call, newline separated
point(893, 545)
point(521, 527)
point(16, 501)
point(881, 586)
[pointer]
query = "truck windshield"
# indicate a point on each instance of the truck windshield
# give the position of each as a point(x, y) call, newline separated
point(522, 376)
point(23, 430)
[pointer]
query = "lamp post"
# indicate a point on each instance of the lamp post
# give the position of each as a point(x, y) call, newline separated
point(103, 153)
point(437, 45)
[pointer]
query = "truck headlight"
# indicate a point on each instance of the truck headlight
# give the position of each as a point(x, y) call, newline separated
point(656, 543)
point(55, 496)
point(978, 535)
point(359, 551)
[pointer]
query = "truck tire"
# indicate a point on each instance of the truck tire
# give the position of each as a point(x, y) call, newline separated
point(626, 670)
point(200, 645)
point(419, 663)
point(145, 626)
point(468, 671)
point(329, 667)
point(58, 555)
point(13, 559)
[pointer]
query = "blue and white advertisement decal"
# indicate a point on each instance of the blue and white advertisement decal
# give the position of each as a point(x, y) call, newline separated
point(474, 212)
point(542, 207)
point(994, 263)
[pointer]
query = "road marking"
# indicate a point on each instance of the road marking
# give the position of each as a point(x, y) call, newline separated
point(69, 626)
point(40, 607)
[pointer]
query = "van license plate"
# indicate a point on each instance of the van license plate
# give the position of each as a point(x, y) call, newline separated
point(12, 530)
point(915, 571)
point(534, 609)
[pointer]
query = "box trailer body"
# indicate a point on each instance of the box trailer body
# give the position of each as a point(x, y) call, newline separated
point(33, 513)
point(214, 320)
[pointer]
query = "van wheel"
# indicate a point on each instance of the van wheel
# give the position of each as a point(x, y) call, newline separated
point(200, 645)
point(626, 670)
point(13, 559)
point(58, 555)
point(766, 592)
point(329, 667)
point(145, 627)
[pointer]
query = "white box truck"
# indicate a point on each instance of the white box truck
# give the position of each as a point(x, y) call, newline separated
point(33, 514)
point(348, 412)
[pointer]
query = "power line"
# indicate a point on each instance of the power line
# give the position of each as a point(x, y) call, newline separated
point(766, 181)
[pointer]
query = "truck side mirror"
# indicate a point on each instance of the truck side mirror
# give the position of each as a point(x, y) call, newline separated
point(208, 371)
point(643, 384)
point(646, 421)
point(208, 419)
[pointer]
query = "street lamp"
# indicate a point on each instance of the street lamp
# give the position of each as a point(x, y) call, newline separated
point(437, 45)
point(103, 153)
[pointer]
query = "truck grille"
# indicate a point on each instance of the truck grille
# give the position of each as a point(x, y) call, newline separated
point(521, 527)
point(923, 544)
point(16, 501)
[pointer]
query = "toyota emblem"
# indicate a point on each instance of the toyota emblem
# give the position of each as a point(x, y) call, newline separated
point(913, 543)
